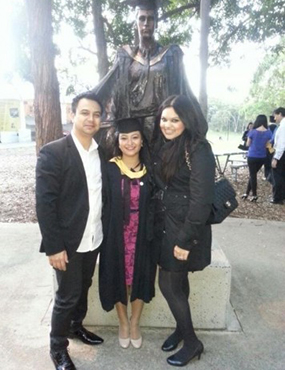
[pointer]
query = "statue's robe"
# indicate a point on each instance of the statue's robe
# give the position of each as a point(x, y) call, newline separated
point(136, 86)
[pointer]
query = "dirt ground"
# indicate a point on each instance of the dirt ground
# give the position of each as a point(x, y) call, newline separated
point(17, 179)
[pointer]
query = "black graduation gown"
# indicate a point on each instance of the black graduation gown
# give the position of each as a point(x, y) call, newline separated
point(112, 286)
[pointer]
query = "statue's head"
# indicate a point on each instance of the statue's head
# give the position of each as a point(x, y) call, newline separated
point(146, 18)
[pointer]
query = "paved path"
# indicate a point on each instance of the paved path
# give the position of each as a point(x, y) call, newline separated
point(256, 250)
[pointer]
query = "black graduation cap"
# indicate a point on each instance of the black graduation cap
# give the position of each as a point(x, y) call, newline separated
point(126, 125)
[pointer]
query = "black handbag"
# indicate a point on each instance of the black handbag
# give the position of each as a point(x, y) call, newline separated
point(225, 201)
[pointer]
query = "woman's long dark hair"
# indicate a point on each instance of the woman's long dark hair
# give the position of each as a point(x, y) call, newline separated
point(261, 120)
point(174, 156)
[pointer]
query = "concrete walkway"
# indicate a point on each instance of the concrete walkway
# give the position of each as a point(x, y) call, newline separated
point(256, 251)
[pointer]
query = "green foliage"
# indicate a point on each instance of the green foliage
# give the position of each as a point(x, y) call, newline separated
point(267, 88)
point(239, 20)
point(225, 117)
point(73, 13)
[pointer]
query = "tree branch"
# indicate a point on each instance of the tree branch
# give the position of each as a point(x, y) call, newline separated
point(179, 10)
point(87, 49)
point(228, 36)
point(110, 29)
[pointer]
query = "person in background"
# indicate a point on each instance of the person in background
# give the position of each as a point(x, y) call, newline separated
point(70, 185)
point(126, 268)
point(244, 137)
point(184, 172)
point(278, 160)
point(258, 139)
point(269, 152)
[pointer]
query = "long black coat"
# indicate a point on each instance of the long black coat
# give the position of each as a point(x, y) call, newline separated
point(112, 285)
point(182, 208)
point(62, 196)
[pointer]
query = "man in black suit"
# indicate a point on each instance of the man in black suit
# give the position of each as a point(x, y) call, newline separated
point(70, 180)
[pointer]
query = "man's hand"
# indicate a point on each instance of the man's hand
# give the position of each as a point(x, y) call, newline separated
point(274, 163)
point(180, 254)
point(59, 260)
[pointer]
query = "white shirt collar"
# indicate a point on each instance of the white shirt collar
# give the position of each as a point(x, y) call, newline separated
point(80, 147)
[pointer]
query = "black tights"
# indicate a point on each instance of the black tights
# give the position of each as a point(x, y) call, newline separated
point(254, 165)
point(175, 289)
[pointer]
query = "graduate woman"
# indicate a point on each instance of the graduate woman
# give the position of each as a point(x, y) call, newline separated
point(126, 271)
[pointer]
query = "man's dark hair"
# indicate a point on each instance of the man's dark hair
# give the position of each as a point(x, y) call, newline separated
point(90, 95)
point(280, 110)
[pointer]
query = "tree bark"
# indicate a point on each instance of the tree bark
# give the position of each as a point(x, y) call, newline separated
point(46, 100)
point(204, 54)
point(101, 44)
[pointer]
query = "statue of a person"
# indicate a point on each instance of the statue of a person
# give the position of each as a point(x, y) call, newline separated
point(143, 76)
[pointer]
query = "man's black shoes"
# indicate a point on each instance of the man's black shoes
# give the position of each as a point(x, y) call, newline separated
point(61, 360)
point(86, 336)
point(273, 201)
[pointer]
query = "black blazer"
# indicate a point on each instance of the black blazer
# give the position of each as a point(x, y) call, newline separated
point(62, 196)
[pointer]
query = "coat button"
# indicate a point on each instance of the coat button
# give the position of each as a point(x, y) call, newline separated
point(195, 241)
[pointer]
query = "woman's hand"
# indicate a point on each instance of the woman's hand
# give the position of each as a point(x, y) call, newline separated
point(180, 254)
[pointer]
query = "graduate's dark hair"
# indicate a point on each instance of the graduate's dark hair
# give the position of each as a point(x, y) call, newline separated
point(113, 150)
point(174, 157)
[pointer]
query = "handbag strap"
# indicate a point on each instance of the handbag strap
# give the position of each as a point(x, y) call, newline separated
point(187, 158)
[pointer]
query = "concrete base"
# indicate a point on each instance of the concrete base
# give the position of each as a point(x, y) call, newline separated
point(209, 297)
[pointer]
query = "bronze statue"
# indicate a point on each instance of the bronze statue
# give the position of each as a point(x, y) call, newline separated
point(143, 76)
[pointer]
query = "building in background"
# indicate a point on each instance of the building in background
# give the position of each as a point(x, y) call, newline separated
point(17, 119)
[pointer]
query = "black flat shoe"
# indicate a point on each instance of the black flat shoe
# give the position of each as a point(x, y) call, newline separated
point(61, 360)
point(244, 196)
point(181, 360)
point(254, 199)
point(86, 336)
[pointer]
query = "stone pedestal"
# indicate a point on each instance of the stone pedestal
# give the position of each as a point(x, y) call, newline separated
point(209, 299)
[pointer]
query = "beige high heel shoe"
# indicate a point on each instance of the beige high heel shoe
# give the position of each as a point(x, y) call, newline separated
point(137, 343)
point(124, 342)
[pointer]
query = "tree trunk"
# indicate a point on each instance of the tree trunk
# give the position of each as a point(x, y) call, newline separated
point(101, 44)
point(46, 101)
point(205, 27)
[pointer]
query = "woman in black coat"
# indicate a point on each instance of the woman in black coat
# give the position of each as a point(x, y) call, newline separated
point(184, 171)
point(126, 268)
